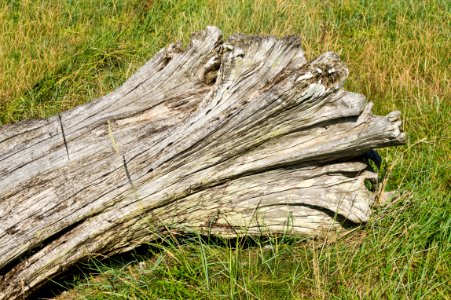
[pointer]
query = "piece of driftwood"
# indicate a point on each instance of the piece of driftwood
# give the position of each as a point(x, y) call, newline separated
point(236, 137)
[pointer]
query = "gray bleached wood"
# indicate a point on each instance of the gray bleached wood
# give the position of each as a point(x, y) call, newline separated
point(236, 137)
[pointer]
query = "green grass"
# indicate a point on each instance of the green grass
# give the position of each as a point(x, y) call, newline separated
point(55, 55)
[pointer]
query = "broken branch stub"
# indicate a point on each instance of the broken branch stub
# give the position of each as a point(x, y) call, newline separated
point(236, 137)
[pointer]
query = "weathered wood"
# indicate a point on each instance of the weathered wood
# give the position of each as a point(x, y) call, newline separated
point(225, 138)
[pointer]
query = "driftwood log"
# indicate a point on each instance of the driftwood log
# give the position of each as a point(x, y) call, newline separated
point(236, 137)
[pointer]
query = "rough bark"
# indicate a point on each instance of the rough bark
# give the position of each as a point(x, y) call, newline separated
point(236, 137)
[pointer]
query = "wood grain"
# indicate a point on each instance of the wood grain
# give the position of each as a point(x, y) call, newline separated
point(235, 137)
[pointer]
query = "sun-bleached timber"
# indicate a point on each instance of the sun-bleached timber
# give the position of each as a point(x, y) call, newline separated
point(235, 137)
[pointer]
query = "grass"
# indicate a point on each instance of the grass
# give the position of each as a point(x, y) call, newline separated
point(55, 55)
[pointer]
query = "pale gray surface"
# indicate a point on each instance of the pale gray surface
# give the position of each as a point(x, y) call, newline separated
point(227, 138)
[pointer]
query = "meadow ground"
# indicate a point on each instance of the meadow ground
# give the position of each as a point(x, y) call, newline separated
point(55, 55)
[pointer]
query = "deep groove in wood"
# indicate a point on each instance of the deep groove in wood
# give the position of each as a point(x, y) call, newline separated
point(126, 170)
point(64, 136)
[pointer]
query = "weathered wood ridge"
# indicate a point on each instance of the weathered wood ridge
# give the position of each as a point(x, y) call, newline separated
point(236, 137)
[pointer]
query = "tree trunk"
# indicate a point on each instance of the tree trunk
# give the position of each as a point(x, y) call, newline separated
point(242, 137)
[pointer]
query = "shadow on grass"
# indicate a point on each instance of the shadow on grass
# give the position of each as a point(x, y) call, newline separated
point(96, 267)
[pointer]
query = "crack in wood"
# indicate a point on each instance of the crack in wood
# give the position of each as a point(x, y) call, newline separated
point(64, 136)
point(126, 170)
